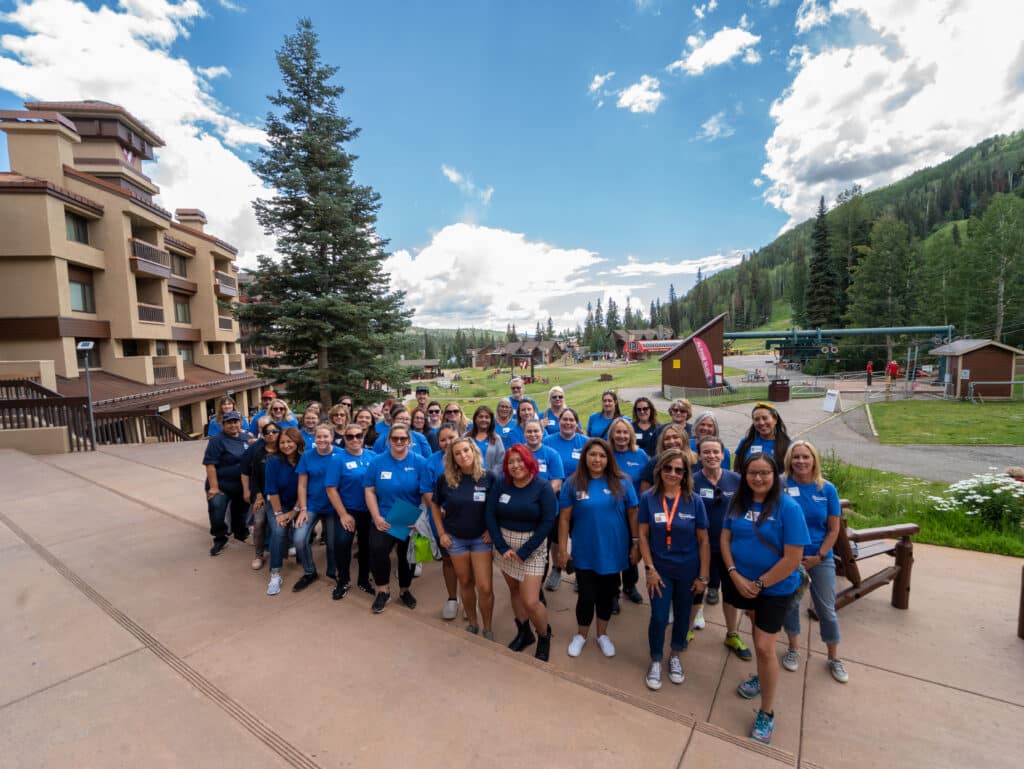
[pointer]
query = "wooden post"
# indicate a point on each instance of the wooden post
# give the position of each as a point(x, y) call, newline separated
point(905, 562)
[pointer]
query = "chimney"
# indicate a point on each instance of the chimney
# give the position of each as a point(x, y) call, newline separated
point(191, 217)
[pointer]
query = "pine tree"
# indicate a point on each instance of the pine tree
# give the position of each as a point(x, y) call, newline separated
point(797, 290)
point(611, 316)
point(996, 268)
point(538, 335)
point(654, 315)
point(673, 311)
point(822, 307)
point(325, 306)
point(550, 333)
point(588, 327)
point(598, 317)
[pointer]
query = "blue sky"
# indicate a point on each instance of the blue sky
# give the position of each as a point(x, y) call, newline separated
point(534, 156)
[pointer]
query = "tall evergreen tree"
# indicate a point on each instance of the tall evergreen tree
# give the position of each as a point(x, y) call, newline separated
point(996, 268)
point(549, 334)
point(654, 315)
point(325, 306)
point(797, 290)
point(673, 311)
point(611, 316)
point(598, 317)
point(822, 289)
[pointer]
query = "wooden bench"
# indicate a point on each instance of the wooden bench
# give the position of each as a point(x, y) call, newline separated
point(883, 540)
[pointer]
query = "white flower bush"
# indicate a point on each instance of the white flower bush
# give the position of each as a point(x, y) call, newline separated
point(994, 497)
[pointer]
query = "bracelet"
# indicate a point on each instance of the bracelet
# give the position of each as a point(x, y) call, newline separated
point(730, 570)
point(636, 539)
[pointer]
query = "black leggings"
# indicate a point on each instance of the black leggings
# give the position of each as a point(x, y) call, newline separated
point(597, 591)
point(363, 526)
point(381, 544)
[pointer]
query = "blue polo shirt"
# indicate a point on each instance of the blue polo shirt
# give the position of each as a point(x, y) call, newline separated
point(632, 463)
point(716, 499)
point(395, 479)
point(569, 451)
point(347, 477)
point(817, 505)
point(549, 464)
point(600, 531)
point(283, 481)
point(784, 525)
point(681, 559)
point(317, 468)
point(758, 446)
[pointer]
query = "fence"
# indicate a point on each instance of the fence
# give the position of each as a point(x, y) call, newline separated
point(1014, 388)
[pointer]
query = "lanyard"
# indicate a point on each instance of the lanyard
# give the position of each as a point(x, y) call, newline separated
point(669, 518)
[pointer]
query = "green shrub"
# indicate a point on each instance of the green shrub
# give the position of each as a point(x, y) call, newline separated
point(478, 392)
point(996, 499)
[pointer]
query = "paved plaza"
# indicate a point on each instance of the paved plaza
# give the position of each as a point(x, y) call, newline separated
point(124, 644)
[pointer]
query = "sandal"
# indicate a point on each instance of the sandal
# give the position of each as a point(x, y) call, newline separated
point(257, 563)
point(472, 629)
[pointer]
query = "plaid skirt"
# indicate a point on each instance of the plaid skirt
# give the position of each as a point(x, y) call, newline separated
point(532, 566)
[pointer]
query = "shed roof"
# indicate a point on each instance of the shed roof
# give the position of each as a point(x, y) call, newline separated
point(698, 332)
point(963, 346)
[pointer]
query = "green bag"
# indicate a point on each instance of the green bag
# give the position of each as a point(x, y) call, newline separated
point(424, 554)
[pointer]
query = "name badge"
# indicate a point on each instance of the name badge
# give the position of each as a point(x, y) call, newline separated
point(755, 449)
point(793, 491)
point(660, 518)
point(504, 499)
point(707, 493)
point(479, 496)
point(575, 455)
point(385, 475)
point(607, 491)
point(582, 495)
point(351, 465)
point(542, 467)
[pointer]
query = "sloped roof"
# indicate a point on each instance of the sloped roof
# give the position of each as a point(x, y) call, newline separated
point(698, 332)
point(962, 346)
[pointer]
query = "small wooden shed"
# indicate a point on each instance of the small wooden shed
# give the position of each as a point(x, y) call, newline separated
point(989, 365)
point(694, 366)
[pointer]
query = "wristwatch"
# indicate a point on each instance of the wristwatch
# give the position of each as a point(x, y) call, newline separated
point(705, 580)
point(759, 584)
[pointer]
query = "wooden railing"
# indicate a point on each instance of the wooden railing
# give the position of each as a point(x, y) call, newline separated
point(143, 250)
point(226, 323)
point(151, 313)
point(44, 409)
point(135, 427)
point(24, 389)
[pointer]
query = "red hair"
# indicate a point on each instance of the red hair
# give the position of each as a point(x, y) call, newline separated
point(524, 454)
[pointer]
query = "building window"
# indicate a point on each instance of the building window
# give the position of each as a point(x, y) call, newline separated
point(77, 227)
point(182, 312)
point(93, 354)
point(82, 297)
point(179, 266)
point(185, 351)
point(131, 348)
point(161, 347)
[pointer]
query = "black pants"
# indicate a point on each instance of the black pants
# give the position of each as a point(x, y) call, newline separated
point(597, 591)
point(629, 578)
point(363, 526)
point(230, 496)
point(381, 544)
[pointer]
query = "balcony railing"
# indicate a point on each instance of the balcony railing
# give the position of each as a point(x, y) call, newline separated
point(143, 250)
point(236, 363)
point(151, 313)
point(225, 285)
point(165, 367)
point(225, 323)
point(227, 280)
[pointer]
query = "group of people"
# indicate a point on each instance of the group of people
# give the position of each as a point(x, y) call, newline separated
point(542, 496)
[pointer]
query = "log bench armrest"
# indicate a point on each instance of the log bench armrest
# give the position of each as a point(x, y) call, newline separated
point(895, 531)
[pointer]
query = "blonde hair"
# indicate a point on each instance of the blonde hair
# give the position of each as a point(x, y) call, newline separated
point(787, 463)
point(452, 472)
point(632, 433)
point(287, 411)
point(685, 447)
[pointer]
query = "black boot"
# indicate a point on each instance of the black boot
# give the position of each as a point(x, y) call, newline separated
point(523, 638)
point(544, 646)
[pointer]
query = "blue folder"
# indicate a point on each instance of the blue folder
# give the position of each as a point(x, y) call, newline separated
point(401, 516)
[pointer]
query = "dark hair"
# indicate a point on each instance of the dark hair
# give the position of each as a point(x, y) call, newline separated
point(686, 482)
point(575, 415)
point(615, 398)
point(412, 418)
point(396, 409)
point(408, 433)
point(532, 467)
point(490, 428)
point(744, 496)
point(371, 432)
point(654, 411)
point(710, 439)
point(581, 478)
point(296, 437)
point(529, 403)
point(782, 439)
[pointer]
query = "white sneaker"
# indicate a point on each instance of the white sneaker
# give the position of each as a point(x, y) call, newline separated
point(418, 571)
point(698, 621)
point(450, 610)
point(675, 670)
point(671, 615)
point(607, 647)
point(791, 660)
point(291, 552)
point(274, 586)
point(654, 676)
point(576, 645)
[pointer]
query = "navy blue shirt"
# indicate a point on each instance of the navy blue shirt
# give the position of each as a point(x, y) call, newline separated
point(716, 499)
point(784, 525)
point(318, 468)
point(347, 477)
point(646, 440)
point(600, 529)
point(225, 453)
point(679, 560)
point(283, 481)
point(465, 506)
point(532, 508)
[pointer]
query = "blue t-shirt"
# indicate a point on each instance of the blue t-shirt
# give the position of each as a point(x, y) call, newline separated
point(531, 508)
point(570, 451)
point(716, 501)
point(632, 463)
point(515, 405)
point(600, 530)
point(283, 481)
point(509, 433)
point(216, 428)
point(784, 525)
point(283, 423)
point(758, 445)
point(310, 439)
point(598, 424)
point(255, 418)
point(549, 464)
point(552, 426)
point(225, 453)
point(318, 468)
point(465, 506)
point(395, 479)
point(817, 505)
point(726, 460)
point(347, 477)
point(433, 470)
point(681, 558)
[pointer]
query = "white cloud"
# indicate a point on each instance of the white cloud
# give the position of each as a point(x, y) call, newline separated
point(231, 6)
point(715, 127)
point(466, 185)
point(757, 182)
point(641, 97)
point(810, 15)
point(598, 82)
point(726, 44)
point(63, 50)
point(918, 84)
point(472, 275)
point(707, 265)
point(211, 72)
point(700, 11)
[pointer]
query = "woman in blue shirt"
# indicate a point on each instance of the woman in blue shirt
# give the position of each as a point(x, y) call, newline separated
point(345, 489)
point(645, 424)
point(549, 464)
point(434, 469)
point(599, 504)
point(393, 476)
point(224, 406)
point(222, 460)
point(631, 460)
point(767, 435)
point(459, 510)
point(549, 419)
point(763, 539)
point(316, 469)
point(310, 420)
point(505, 423)
point(520, 511)
point(492, 448)
point(568, 443)
point(600, 421)
point(676, 553)
point(282, 485)
point(282, 415)
point(707, 424)
point(819, 501)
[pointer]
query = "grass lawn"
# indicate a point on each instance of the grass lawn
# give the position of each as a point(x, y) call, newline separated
point(781, 318)
point(881, 498)
point(949, 422)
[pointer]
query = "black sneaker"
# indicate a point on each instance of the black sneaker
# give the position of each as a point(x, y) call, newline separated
point(242, 537)
point(615, 605)
point(543, 646)
point(305, 581)
point(366, 587)
point(340, 590)
point(218, 547)
point(634, 595)
point(407, 599)
point(380, 602)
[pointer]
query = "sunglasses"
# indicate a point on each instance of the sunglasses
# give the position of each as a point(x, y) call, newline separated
point(557, 397)
point(642, 408)
point(452, 411)
point(679, 411)
point(271, 432)
point(433, 411)
point(353, 436)
point(674, 470)
point(400, 439)
point(277, 408)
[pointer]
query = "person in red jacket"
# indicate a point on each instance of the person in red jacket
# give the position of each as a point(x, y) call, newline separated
point(870, 369)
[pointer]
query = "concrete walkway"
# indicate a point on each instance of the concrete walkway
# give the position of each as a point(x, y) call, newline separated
point(125, 645)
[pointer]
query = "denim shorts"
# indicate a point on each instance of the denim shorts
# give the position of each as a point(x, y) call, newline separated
point(474, 545)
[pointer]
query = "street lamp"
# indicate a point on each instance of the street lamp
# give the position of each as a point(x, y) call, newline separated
point(86, 347)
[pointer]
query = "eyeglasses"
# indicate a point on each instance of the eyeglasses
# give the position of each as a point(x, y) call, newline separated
point(353, 436)
point(759, 473)
point(642, 408)
point(277, 408)
point(400, 439)
point(433, 411)
point(680, 411)
point(674, 470)
point(514, 389)
point(271, 432)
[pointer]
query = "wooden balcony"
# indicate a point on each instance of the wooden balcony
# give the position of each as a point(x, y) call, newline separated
point(166, 368)
point(224, 285)
point(151, 313)
point(148, 260)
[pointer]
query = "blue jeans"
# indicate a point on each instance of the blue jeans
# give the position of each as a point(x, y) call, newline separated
point(339, 545)
point(677, 593)
point(217, 508)
point(823, 594)
point(278, 536)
